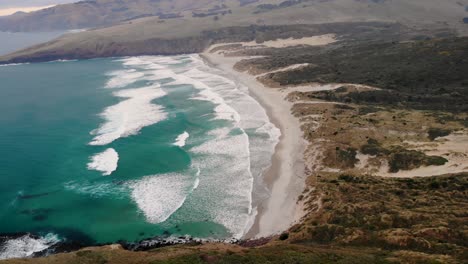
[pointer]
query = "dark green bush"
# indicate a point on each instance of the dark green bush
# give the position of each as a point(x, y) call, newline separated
point(373, 148)
point(284, 236)
point(404, 159)
point(347, 157)
point(438, 132)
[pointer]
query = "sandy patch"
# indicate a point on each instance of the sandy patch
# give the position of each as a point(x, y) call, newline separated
point(289, 42)
point(453, 147)
point(288, 68)
point(279, 43)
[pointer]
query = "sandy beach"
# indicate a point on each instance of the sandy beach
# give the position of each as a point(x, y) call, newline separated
point(285, 178)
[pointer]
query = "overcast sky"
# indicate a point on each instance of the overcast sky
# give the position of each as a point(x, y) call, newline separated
point(25, 3)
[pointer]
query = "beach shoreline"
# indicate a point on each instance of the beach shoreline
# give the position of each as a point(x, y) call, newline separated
point(285, 178)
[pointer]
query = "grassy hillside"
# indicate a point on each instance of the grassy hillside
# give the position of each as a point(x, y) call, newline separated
point(73, 47)
point(96, 13)
point(144, 35)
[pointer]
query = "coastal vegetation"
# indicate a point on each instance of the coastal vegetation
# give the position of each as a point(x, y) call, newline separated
point(161, 44)
point(392, 214)
point(366, 128)
point(400, 158)
point(424, 74)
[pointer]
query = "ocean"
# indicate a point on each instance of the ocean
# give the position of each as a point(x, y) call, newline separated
point(12, 41)
point(103, 150)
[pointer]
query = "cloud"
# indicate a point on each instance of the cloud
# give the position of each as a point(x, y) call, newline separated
point(29, 3)
point(12, 10)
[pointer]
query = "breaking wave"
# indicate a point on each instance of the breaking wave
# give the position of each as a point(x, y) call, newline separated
point(106, 161)
point(159, 196)
point(123, 78)
point(26, 246)
point(129, 116)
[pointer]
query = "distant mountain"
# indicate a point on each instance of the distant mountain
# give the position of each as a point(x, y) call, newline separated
point(97, 13)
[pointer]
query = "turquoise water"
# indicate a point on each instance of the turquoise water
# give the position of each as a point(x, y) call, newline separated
point(125, 149)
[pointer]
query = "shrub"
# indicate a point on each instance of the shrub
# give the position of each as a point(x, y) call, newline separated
point(404, 159)
point(346, 178)
point(438, 132)
point(435, 160)
point(284, 236)
point(373, 148)
point(347, 157)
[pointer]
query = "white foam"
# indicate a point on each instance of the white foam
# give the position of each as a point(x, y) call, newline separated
point(271, 130)
point(225, 161)
point(181, 139)
point(197, 182)
point(159, 196)
point(262, 139)
point(222, 110)
point(106, 161)
point(134, 61)
point(26, 246)
point(123, 78)
point(72, 31)
point(163, 60)
point(130, 116)
point(163, 68)
point(61, 61)
point(13, 64)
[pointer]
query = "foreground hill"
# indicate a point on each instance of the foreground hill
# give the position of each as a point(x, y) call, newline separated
point(182, 27)
point(362, 220)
